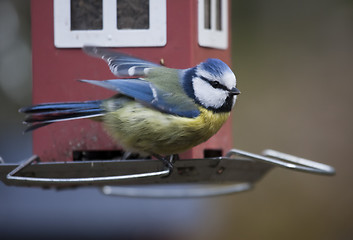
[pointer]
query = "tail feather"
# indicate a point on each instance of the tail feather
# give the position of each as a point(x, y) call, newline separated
point(46, 107)
point(44, 114)
point(60, 115)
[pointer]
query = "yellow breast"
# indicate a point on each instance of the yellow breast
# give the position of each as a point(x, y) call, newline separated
point(147, 131)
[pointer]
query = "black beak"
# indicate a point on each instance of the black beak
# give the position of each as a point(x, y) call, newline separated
point(234, 91)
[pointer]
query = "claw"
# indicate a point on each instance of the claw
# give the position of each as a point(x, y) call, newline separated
point(168, 161)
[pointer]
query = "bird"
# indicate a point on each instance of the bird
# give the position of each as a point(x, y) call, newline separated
point(156, 111)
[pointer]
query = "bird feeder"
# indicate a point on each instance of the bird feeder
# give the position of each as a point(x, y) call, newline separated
point(177, 34)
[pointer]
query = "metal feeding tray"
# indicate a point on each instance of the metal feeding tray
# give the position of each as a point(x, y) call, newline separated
point(236, 172)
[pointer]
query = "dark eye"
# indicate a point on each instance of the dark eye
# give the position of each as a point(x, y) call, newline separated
point(215, 84)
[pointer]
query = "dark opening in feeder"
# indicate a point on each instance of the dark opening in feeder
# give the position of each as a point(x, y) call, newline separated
point(86, 14)
point(133, 14)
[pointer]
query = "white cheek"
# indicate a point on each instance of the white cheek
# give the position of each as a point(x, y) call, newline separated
point(229, 80)
point(207, 95)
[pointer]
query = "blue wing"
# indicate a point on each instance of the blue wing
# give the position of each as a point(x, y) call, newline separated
point(146, 93)
point(120, 64)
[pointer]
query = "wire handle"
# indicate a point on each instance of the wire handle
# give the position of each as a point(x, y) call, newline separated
point(286, 160)
point(11, 175)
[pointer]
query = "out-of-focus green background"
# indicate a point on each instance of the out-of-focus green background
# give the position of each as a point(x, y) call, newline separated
point(293, 61)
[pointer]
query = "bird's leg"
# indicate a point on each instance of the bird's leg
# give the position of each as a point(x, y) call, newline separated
point(173, 158)
point(168, 161)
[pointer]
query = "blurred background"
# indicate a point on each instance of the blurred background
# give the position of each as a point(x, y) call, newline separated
point(293, 61)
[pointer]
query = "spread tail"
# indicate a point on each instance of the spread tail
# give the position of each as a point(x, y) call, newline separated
point(43, 114)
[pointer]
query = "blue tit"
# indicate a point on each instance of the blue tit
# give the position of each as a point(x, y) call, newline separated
point(158, 111)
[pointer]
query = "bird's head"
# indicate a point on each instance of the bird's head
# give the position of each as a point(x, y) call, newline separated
point(212, 84)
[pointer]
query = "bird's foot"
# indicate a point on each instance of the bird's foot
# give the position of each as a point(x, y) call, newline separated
point(168, 161)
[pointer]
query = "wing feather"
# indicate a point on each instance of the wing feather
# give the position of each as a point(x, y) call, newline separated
point(121, 65)
point(146, 93)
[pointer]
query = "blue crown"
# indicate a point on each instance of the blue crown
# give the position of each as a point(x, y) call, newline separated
point(214, 66)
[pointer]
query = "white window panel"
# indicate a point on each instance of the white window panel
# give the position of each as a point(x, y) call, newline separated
point(110, 35)
point(213, 23)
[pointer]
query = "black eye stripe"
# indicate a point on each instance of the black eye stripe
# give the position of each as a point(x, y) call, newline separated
point(214, 84)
